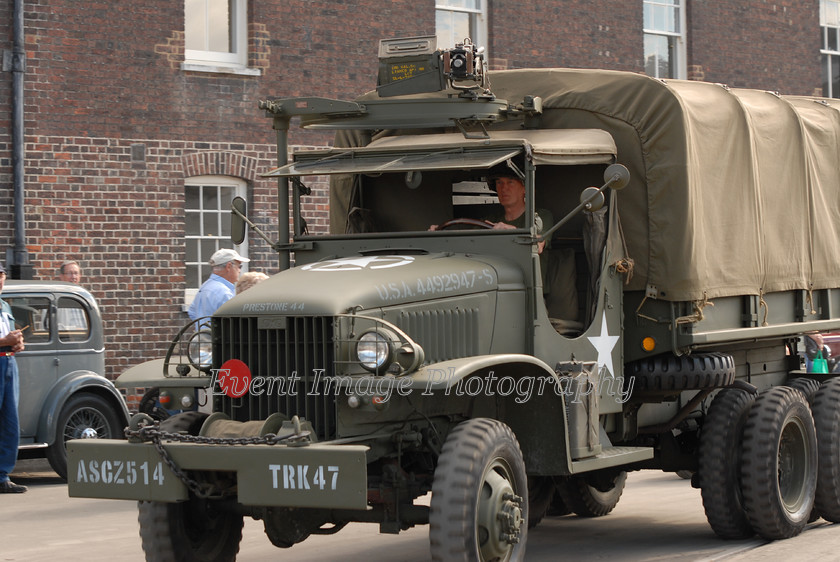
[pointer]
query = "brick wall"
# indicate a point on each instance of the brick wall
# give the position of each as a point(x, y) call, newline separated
point(771, 45)
point(572, 33)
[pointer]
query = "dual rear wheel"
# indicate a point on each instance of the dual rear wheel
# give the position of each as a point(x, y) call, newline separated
point(758, 462)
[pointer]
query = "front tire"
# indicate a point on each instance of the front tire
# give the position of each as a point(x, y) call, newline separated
point(83, 416)
point(479, 507)
point(196, 530)
point(779, 463)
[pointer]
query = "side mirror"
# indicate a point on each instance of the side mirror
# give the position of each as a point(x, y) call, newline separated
point(616, 176)
point(238, 208)
point(592, 199)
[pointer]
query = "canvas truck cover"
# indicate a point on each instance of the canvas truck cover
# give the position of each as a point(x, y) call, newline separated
point(733, 191)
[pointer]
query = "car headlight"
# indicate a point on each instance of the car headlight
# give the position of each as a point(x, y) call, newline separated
point(200, 350)
point(375, 349)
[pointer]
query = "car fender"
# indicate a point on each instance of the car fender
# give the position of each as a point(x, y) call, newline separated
point(68, 386)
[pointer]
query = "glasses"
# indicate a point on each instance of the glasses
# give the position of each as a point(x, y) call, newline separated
point(236, 264)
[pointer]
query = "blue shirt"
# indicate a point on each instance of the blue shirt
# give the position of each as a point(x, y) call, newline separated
point(215, 292)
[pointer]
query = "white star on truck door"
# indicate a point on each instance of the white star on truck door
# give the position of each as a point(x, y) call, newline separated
point(604, 345)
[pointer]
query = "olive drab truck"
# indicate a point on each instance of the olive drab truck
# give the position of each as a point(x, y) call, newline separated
point(655, 322)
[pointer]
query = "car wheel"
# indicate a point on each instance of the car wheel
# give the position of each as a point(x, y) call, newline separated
point(84, 416)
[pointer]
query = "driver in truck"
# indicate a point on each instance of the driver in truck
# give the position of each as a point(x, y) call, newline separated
point(511, 193)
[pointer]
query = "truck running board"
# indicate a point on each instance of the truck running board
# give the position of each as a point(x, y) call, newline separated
point(612, 456)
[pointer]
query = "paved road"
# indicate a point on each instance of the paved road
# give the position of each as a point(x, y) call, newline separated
point(660, 517)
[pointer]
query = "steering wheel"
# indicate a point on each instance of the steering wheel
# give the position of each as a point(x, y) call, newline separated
point(464, 222)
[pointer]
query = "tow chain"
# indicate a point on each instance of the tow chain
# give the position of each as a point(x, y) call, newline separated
point(206, 490)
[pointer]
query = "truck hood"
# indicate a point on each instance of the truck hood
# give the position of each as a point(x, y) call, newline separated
point(334, 286)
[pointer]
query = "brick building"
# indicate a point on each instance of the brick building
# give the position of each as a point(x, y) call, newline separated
point(140, 121)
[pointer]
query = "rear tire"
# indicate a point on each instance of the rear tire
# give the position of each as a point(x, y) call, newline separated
point(719, 464)
point(540, 496)
point(808, 387)
point(585, 500)
point(779, 463)
point(196, 530)
point(826, 411)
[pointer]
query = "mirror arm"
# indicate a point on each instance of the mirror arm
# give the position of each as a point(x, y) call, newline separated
point(583, 205)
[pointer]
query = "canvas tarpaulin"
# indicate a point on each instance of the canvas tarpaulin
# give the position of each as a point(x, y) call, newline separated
point(732, 191)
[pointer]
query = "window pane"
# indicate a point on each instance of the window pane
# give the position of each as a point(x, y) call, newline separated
point(659, 55)
point(224, 218)
point(208, 248)
point(219, 26)
point(31, 313)
point(832, 38)
point(468, 4)
point(674, 20)
point(192, 251)
point(648, 16)
point(73, 323)
point(195, 24)
point(651, 54)
point(460, 26)
point(191, 279)
point(443, 29)
point(226, 194)
point(193, 193)
point(211, 198)
point(211, 224)
point(191, 224)
point(835, 76)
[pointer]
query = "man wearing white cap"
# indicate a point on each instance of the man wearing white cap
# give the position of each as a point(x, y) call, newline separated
point(219, 288)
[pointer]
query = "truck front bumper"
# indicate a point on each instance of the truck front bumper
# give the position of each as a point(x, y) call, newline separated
point(317, 475)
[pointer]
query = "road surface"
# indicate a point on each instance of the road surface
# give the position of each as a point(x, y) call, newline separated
point(660, 517)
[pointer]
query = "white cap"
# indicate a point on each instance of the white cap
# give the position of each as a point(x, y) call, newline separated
point(221, 257)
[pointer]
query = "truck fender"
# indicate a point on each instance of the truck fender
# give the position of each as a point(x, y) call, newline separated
point(150, 373)
point(446, 374)
point(65, 388)
point(545, 406)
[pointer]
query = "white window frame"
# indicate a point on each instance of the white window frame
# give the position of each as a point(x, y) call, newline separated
point(236, 60)
point(680, 58)
point(478, 22)
point(240, 189)
point(829, 25)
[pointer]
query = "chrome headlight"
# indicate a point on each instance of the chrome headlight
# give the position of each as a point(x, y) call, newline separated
point(200, 350)
point(375, 349)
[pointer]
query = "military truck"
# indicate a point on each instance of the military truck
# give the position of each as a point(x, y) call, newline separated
point(508, 373)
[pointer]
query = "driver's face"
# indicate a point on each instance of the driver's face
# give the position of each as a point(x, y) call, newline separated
point(511, 191)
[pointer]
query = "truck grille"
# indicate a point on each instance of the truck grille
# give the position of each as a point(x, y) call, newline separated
point(276, 349)
point(443, 334)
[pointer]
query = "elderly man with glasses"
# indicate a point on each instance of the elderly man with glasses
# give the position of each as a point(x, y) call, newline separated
point(220, 287)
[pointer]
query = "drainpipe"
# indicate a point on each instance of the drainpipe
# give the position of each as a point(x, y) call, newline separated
point(15, 61)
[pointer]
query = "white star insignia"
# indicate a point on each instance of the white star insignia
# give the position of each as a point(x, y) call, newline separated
point(604, 345)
